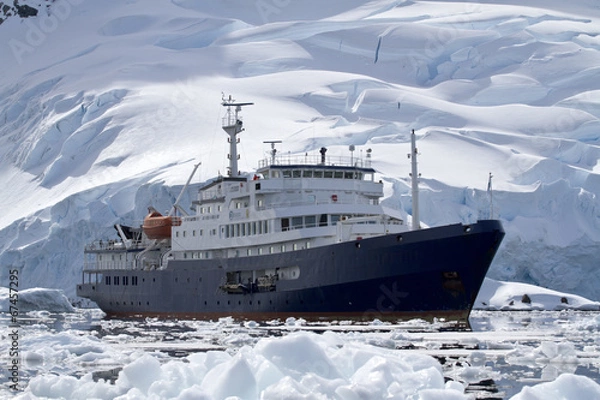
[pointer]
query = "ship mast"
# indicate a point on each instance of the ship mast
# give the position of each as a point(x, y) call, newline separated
point(233, 125)
point(416, 223)
point(273, 149)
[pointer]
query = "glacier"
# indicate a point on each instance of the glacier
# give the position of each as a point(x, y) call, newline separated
point(105, 108)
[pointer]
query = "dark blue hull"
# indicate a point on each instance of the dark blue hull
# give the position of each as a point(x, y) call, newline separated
point(435, 272)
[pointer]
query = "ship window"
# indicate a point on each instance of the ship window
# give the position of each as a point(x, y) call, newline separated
point(219, 208)
point(238, 204)
point(335, 219)
point(201, 232)
point(310, 221)
point(260, 250)
point(201, 210)
point(194, 232)
point(307, 173)
point(243, 229)
point(323, 220)
point(206, 255)
point(254, 228)
point(116, 280)
point(318, 174)
point(308, 245)
point(209, 210)
point(107, 280)
point(297, 222)
point(260, 203)
point(125, 280)
point(271, 249)
point(134, 280)
point(285, 224)
point(338, 174)
point(287, 173)
point(266, 227)
point(295, 247)
point(275, 174)
point(249, 252)
point(177, 234)
point(296, 174)
point(348, 175)
point(183, 233)
point(328, 174)
point(358, 175)
point(283, 248)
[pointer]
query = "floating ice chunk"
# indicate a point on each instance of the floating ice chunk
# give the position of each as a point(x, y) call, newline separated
point(298, 354)
point(37, 299)
point(142, 372)
point(566, 386)
point(231, 379)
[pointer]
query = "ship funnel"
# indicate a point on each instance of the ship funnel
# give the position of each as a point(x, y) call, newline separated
point(233, 125)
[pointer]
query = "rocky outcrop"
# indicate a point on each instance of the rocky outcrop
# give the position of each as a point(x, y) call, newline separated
point(16, 9)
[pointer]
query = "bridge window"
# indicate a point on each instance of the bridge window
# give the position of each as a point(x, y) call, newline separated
point(296, 222)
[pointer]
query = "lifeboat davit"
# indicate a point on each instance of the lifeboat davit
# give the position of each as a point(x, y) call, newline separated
point(158, 226)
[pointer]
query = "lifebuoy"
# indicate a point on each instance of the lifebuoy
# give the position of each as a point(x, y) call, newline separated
point(334, 197)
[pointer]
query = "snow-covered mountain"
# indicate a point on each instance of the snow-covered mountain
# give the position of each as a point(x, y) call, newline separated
point(105, 107)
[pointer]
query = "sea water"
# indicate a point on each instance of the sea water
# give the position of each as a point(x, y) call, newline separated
point(501, 353)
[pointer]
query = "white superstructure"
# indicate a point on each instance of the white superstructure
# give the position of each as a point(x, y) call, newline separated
point(289, 203)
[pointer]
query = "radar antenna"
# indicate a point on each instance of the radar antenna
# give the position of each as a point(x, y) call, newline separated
point(273, 149)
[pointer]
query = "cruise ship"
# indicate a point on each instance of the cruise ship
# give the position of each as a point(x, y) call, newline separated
point(301, 236)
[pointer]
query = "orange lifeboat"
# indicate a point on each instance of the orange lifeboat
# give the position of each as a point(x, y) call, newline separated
point(158, 226)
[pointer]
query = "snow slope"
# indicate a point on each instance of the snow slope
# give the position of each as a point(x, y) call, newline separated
point(104, 108)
